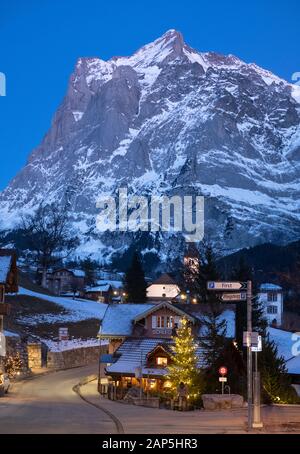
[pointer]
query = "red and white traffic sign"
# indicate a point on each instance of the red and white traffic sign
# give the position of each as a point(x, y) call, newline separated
point(223, 370)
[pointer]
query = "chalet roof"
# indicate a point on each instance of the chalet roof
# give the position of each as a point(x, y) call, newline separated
point(8, 270)
point(5, 265)
point(118, 319)
point(78, 273)
point(164, 279)
point(134, 352)
point(115, 284)
point(99, 288)
point(173, 307)
point(268, 286)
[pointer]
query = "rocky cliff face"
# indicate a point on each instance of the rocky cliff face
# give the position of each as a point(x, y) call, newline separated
point(171, 120)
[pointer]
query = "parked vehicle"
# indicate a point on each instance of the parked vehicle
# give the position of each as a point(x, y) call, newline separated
point(4, 384)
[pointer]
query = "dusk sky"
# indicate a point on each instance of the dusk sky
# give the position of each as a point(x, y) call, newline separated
point(40, 42)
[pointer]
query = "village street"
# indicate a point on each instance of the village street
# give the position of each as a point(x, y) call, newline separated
point(48, 404)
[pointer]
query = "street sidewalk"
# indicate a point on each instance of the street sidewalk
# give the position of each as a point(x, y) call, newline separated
point(143, 420)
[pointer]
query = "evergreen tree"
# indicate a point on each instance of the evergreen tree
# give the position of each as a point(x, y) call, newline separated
point(212, 342)
point(134, 283)
point(207, 272)
point(184, 366)
point(276, 383)
point(90, 268)
point(13, 364)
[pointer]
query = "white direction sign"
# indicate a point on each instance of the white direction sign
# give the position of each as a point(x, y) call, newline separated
point(217, 285)
point(223, 379)
point(259, 345)
point(233, 296)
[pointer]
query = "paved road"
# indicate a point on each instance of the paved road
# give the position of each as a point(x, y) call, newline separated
point(48, 404)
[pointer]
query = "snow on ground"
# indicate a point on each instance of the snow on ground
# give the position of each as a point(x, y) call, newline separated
point(78, 309)
point(72, 344)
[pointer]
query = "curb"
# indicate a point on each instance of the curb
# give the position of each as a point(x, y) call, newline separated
point(85, 381)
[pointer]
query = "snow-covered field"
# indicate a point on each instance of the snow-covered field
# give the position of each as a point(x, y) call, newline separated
point(77, 309)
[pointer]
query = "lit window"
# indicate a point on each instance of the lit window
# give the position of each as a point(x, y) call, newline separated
point(160, 321)
point(170, 321)
point(161, 361)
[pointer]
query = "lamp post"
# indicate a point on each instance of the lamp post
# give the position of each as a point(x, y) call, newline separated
point(100, 348)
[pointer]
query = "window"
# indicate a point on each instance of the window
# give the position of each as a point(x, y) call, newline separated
point(272, 296)
point(170, 321)
point(161, 361)
point(160, 321)
point(272, 310)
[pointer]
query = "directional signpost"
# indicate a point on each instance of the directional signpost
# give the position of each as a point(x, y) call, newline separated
point(217, 285)
point(234, 296)
point(243, 292)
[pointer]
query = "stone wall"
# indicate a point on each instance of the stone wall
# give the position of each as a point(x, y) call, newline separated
point(34, 355)
point(74, 358)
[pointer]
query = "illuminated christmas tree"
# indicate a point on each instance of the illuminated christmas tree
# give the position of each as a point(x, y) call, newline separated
point(183, 367)
point(13, 364)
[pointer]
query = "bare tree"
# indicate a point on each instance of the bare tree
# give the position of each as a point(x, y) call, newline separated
point(48, 237)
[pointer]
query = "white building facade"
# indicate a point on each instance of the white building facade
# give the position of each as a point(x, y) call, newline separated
point(271, 298)
point(163, 287)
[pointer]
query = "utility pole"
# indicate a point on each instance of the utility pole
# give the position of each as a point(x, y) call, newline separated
point(257, 423)
point(249, 353)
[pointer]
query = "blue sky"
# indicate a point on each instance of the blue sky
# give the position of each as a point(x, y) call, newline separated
point(41, 40)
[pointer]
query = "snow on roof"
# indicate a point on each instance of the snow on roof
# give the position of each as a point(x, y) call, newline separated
point(118, 318)
point(10, 334)
point(113, 283)
point(78, 273)
point(167, 305)
point(134, 354)
point(164, 279)
point(5, 264)
point(99, 288)
point(267, 286)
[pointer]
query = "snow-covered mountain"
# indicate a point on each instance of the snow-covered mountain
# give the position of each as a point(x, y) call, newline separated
point(171, 120)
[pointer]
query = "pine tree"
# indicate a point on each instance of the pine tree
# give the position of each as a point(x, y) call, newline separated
point(134, 283)
point(276, 384)
point(207, 272)
point(13, 364)
point(184, 365)
point(212, 342)
point(90, 268)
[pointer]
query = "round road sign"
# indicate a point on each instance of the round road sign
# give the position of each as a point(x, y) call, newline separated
point(223, 370)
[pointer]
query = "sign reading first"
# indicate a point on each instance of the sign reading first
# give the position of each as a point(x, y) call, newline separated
point(217, 285)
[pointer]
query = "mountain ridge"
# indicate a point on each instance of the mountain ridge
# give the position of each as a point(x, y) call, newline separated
point(171, 120)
